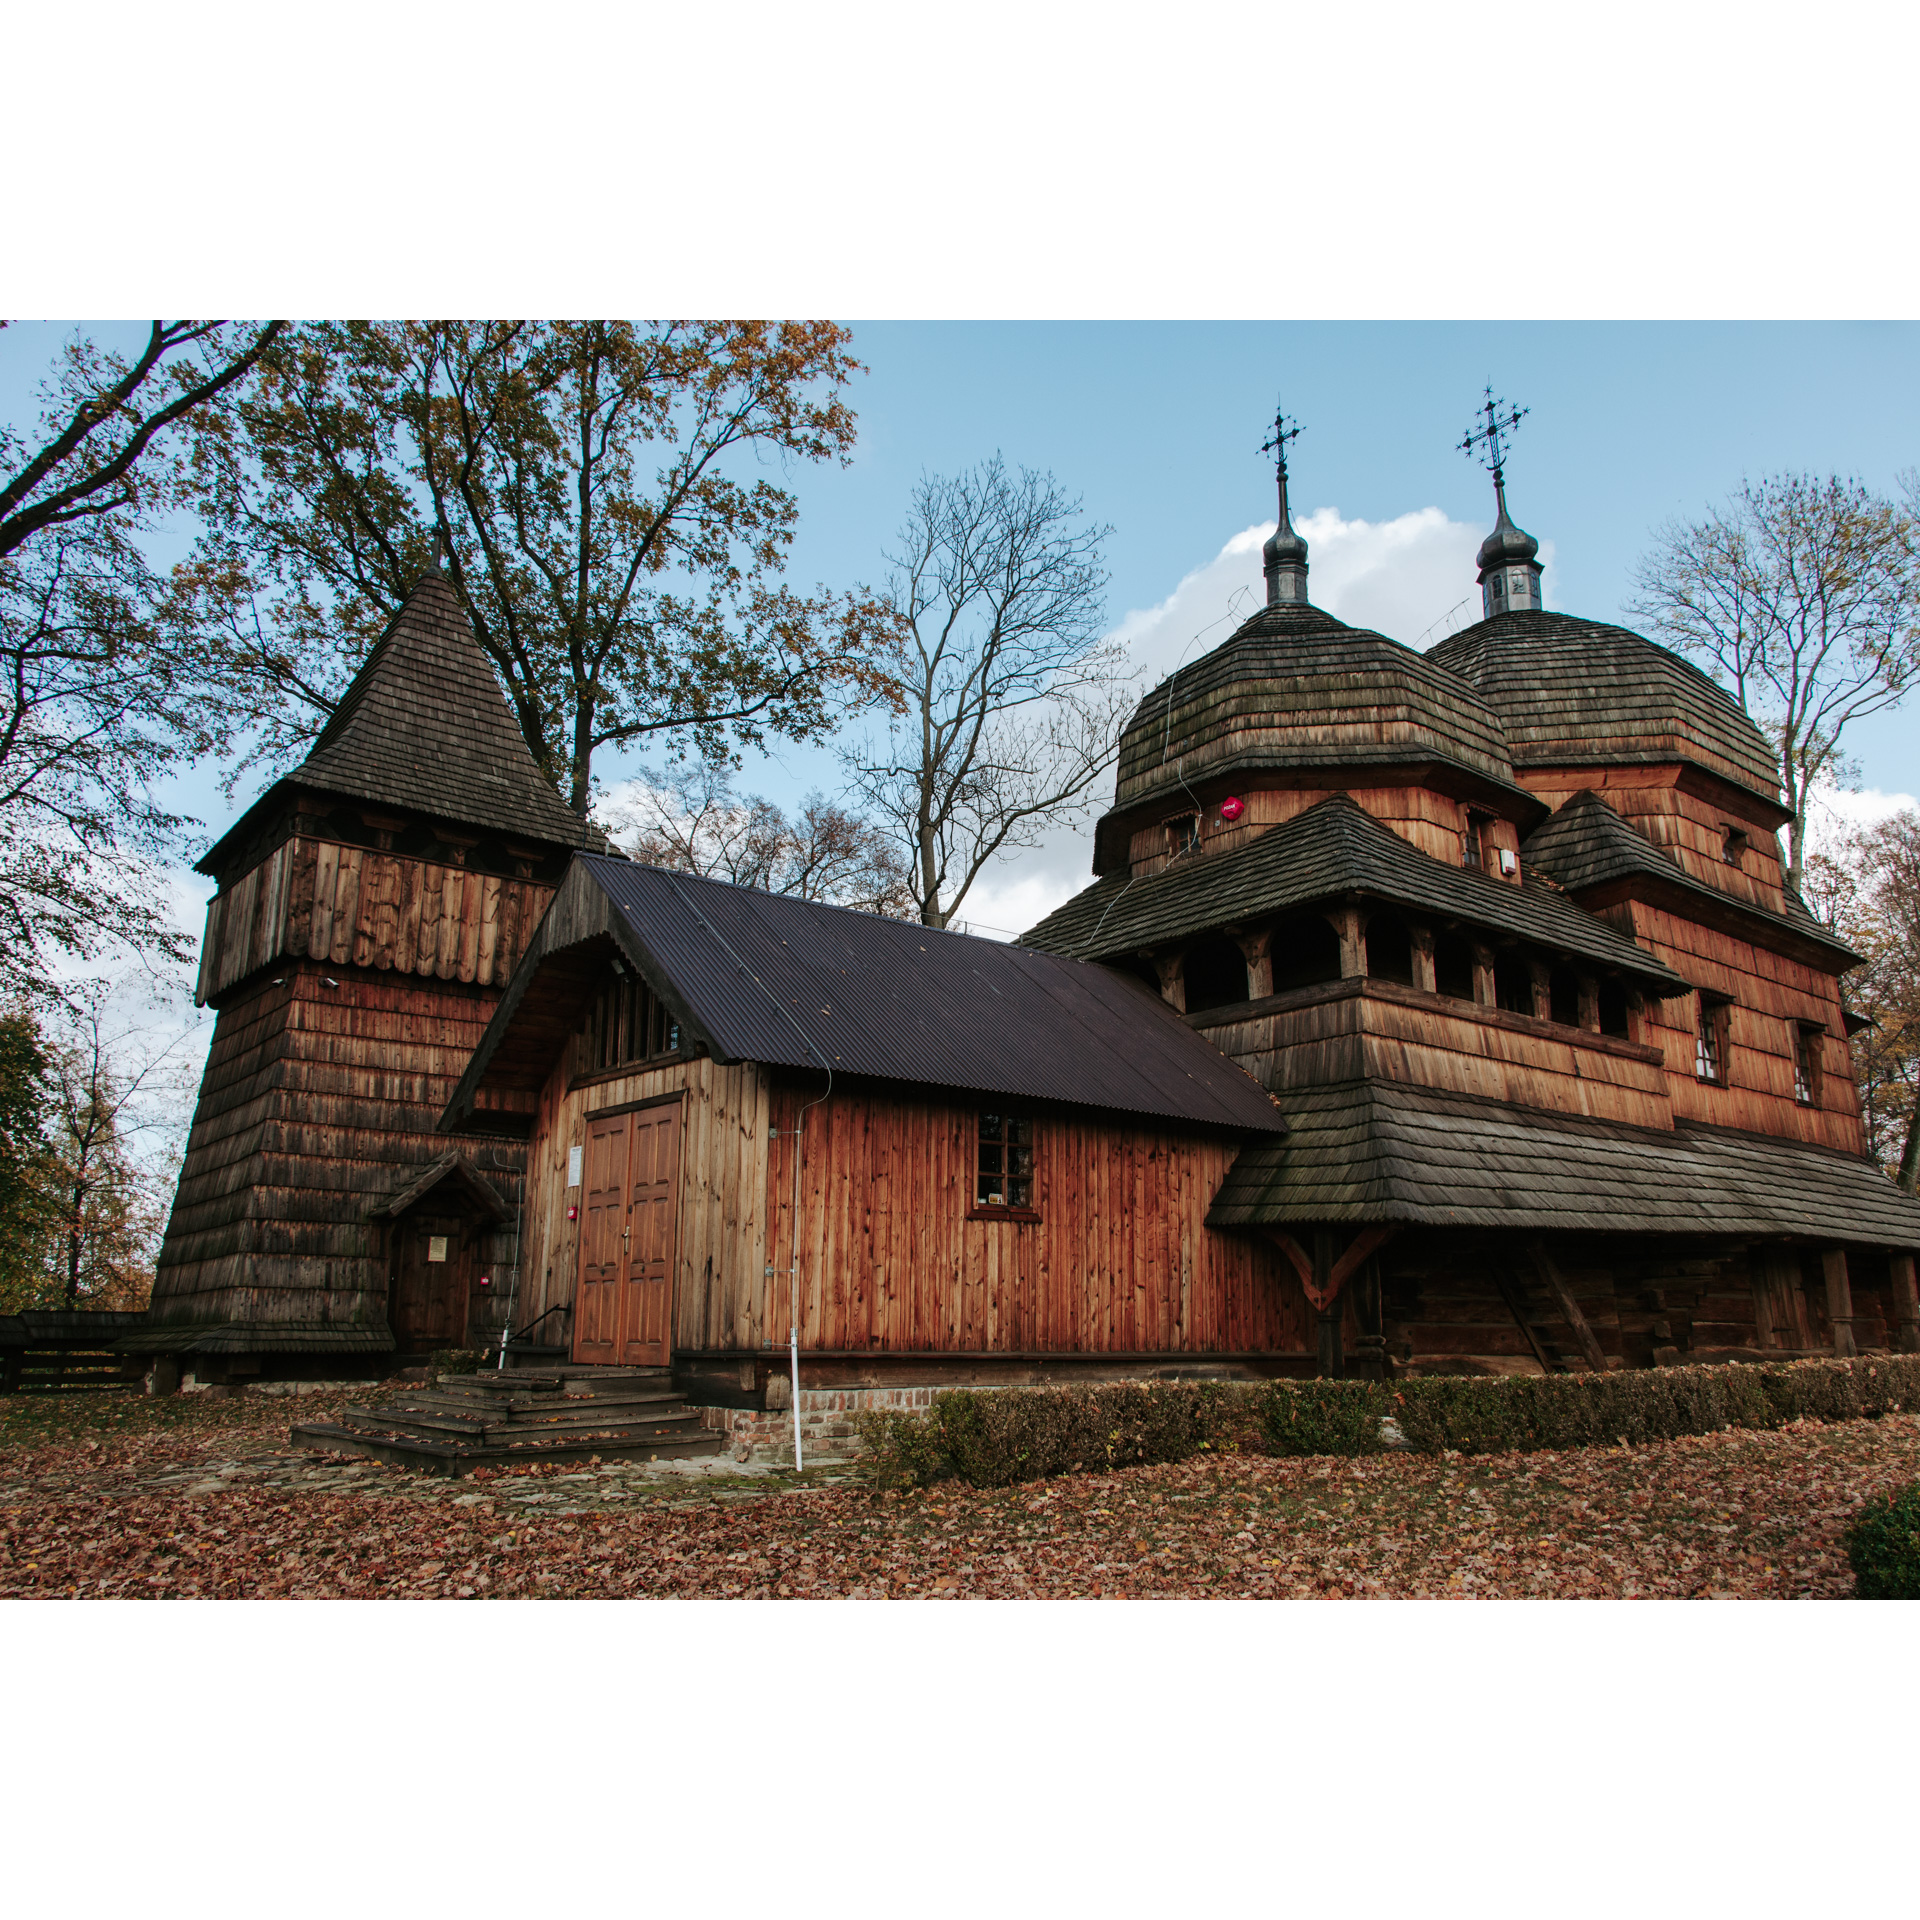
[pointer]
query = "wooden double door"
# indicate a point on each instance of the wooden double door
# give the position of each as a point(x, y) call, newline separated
point(629, 1239)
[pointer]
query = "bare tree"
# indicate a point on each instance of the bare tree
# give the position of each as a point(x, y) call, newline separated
point(103, 690)
point(694, 822)
point(1011, 700)
point(1803, 596)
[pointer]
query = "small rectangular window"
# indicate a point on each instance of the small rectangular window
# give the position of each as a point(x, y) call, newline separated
point(1475, 850)
point(1806, 1064)
point(1733, 849)
point(1006, 1161)
point(628, 1022)
point(1710, 1044)
point(1183, 833)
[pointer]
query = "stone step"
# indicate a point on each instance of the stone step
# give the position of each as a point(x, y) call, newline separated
point(512, 1433)
point(453, 1459)
point(514, 1406)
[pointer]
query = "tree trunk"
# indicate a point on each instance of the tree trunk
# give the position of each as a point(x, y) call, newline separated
point(1908, 1178)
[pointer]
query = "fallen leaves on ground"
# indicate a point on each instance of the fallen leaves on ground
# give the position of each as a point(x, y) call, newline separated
point(213, 1503)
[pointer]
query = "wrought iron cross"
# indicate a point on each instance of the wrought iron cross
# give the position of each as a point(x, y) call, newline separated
point(1284, 433)
point(1488, 444)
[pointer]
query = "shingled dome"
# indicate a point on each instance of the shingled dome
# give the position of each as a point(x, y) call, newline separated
point(1295, 690)
point(1582, 694)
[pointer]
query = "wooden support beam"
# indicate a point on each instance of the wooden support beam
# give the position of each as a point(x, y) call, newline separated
point(1423, 974)
point(1569, 1307)
point(1906, 1304)
point(1516, 1305)
point(1484, 991)
point(1833, 1264)
point(1325, 1295)
point(1542, 975)
point(1350, 924)
point(1258, 949)
point(1321, 1274)
point(1172, 969)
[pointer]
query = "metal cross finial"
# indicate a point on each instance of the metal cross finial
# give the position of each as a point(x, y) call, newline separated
point(1488, 444)
point(1285, 432)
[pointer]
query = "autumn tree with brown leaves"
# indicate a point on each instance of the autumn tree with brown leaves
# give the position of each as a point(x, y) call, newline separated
point(1867, 889)
point(104, 689)
point(599, 490)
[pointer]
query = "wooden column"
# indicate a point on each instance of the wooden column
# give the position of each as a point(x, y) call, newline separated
point(1172, 969)
point(1483, 988)
point(1556, 1285)
point(1833, 1262)
point(1590, 1003)
point(1636, 1016)
point(1352, 928)
point(1332, 1360)
point(1542, 989)
point(1258, 948)
point(1906, 1304)
point(1370, 1355)
point(1423, 974)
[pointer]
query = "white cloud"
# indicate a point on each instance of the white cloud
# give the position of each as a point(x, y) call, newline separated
point(1411, 578)
point(1832, 812)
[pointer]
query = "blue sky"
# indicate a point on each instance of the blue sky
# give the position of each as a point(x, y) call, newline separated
point(1158, 426)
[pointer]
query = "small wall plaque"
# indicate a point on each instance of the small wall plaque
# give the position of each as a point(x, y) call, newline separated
point(574, 1157)
point(436, 1246)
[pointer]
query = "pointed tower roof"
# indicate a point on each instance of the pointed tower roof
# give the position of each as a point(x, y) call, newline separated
point(424, 728)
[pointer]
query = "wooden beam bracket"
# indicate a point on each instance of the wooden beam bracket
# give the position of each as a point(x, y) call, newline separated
point(1323, 1293)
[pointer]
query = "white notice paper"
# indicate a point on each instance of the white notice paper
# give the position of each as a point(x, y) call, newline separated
point(574, 1157)
point(436, 1246)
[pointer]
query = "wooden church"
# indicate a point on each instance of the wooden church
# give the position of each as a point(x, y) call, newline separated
point(1433, 1012)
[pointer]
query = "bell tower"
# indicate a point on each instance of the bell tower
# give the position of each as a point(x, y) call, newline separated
point(372, 905)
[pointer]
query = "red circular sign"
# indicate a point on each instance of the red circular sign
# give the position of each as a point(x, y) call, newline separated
point(1232, 808)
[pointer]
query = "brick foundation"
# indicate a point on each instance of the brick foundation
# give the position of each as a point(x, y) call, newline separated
point(827, 1430)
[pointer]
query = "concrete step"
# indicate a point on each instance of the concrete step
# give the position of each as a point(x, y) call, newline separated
point(452, 1459)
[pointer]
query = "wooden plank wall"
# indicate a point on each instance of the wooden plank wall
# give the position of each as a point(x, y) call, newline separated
point(1770, 994)
point(1390, 1032)
point(1687, 825)
point(1433, 822)
point(352, 906)
point(1120, 1260)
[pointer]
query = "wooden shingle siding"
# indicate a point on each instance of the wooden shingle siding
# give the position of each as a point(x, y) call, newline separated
point(1378, 1030)
point(351, 906)
point(1771, 995)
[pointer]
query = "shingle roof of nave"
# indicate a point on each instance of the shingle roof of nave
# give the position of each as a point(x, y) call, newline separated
point(1296, 688)
point(1573, 692)
point(1380, 1152)
point(1334, 847)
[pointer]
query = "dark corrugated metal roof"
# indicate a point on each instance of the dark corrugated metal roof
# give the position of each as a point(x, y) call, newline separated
point(795, 983)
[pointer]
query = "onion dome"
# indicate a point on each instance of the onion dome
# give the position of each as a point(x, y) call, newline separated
point(1509, 570)
point(1298, 698)
point(1579, 693)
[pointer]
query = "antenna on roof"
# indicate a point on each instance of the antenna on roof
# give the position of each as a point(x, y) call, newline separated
point(1285, 555)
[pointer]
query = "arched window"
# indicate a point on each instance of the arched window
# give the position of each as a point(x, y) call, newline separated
point(1453, 965)
point(1216, 974)
point(1390, 949)
point(1306, 953)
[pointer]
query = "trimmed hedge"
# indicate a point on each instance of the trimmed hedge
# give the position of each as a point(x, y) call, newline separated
point(1884, 1545)
point(998, 1436)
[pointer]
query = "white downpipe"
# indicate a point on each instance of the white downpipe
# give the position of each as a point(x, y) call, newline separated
point(793, 1353)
